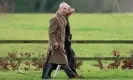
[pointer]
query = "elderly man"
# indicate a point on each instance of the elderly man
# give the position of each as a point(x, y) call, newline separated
point(56, 52)
point(67, 44)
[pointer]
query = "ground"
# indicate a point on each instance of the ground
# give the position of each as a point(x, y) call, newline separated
point(83, 27)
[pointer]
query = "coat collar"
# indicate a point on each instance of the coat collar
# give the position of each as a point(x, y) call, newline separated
point(59, 14)
point(61, 17)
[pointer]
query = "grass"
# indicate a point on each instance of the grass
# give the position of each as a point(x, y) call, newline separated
point(92, 26)
point(88, 71)
point(83, 27)
point(80, 49)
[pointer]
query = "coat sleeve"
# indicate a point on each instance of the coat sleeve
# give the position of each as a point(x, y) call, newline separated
point(52, 30)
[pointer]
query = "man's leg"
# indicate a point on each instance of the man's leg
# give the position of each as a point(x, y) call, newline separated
point(72, 65)
point(68, 71)
point(54, 66)
point(71, 60)
point(50, 71)
point(74, 70)
point(47, 70)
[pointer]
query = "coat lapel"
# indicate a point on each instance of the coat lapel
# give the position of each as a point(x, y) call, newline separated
point(61, 18)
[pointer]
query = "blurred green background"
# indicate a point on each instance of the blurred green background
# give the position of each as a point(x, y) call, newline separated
point(84, 6)
point(93, 20)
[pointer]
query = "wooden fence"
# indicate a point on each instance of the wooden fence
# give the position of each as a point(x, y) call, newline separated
point(74, 41)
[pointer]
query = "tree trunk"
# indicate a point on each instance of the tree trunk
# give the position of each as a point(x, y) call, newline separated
point(42, 5)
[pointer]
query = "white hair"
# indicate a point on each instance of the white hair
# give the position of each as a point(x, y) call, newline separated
point(62, 4)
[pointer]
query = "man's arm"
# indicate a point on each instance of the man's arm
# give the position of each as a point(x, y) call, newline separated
point(52, 30)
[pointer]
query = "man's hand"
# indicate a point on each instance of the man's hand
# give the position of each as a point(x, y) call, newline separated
point(55, 45)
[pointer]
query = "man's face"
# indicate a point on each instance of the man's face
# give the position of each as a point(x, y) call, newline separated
point(64, 9)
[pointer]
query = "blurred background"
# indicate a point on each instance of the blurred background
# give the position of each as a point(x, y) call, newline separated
point(93, 20)
point(91, 6)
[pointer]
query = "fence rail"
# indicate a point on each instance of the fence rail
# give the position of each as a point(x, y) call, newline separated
point(73, 41)
point(78, 58)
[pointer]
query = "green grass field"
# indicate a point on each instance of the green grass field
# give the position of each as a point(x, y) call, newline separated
point(83, 27)
point(89, 72)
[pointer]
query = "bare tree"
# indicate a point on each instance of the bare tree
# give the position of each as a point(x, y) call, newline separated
point(42, 5)
point(4, 6)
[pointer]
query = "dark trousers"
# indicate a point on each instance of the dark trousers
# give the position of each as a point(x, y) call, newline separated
point(70, 57)
point(66, 68)
point(71, 62)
